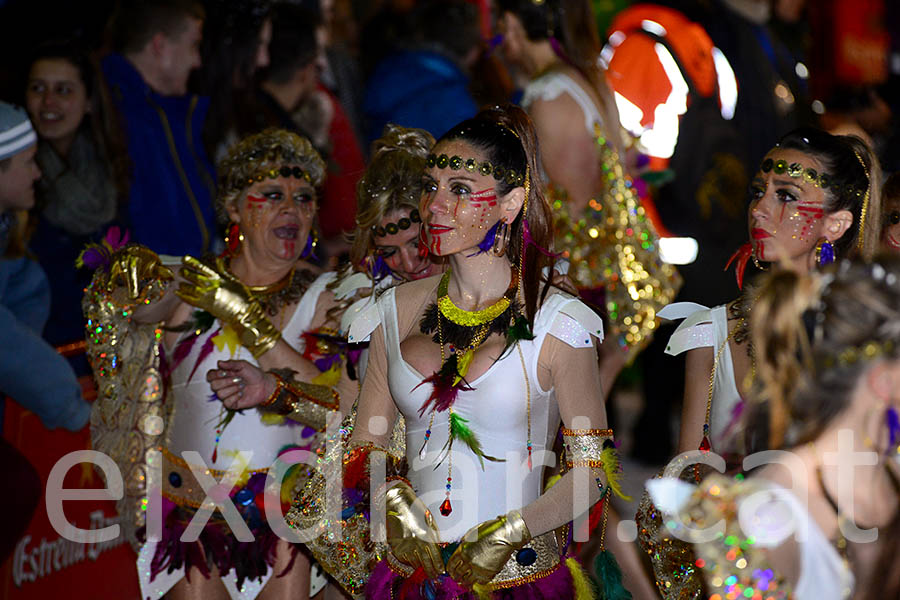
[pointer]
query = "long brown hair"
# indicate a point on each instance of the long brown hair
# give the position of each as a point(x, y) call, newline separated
point(814, 338)
point(507, 137)
point(571, 28)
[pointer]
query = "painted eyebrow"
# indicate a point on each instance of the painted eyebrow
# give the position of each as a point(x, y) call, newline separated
point(462, 178)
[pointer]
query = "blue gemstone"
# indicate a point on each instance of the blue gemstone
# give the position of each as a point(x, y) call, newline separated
point(526, 557)
point(244, 496)
point(175, 479)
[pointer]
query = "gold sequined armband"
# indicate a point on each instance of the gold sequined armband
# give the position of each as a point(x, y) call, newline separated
point(585, 446)
point(307, 403)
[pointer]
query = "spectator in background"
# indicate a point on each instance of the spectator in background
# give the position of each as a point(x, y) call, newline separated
point(426, 85)
point(292, 76)
point(291, 96)
point(156, 47)
point(235, 47)
point(84, 181)
point(31, 372)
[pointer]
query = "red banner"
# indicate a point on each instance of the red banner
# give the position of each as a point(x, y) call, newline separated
point(45, 564)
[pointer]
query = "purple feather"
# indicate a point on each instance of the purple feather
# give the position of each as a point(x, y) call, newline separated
point(382, 581)
point(95, 257)
point(182, 350)
point(378, 269)
point(893, 423)
point(529, 241)
point(115, 239)
point(488, 242)
point(205, 351)
point(326, 362)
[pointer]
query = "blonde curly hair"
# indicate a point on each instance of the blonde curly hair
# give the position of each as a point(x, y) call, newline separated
point(393, 180)
point(262, 155)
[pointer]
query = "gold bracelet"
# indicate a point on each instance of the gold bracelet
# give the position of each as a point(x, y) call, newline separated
point(279, 385)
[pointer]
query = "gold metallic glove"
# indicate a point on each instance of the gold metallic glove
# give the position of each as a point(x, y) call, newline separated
point(495, 541)
point(411, 532)
point(222, 295)
point(133, 270)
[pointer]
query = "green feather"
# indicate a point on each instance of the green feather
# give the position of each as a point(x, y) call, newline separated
point(609, 575)
point(519, 330)
point(460, 431)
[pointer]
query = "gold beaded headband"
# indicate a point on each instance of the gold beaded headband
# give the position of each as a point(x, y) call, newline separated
point(512, 177)
point(809, 175)
point(854, 354)
point(275, 173)
point(392, 228)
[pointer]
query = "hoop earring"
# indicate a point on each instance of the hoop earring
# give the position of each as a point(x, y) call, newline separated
point(501, 239)
point(824, 253)
point(233, 239)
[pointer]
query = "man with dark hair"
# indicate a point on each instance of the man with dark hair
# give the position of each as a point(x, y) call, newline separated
point(157, 45)
point(426, 84)
point(294, 62)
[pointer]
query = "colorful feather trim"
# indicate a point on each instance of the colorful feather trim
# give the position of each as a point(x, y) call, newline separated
point(529, 241)
point(460, 431)
point(613, 469)
point(447, 383)
point(608, 573)
point(580, 580)
point(488, 242)
point(742, 255)
point(99, 255)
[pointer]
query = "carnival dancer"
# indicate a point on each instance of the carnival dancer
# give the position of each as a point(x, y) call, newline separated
point(600, 223)
point(827, 374)
point(815, 197)
point(261, 302)
point(505, 369)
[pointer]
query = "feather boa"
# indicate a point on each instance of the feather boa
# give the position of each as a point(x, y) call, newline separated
point(568, 581)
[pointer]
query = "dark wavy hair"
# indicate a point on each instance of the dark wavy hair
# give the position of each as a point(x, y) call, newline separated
point(506, 136)
point(840, 157)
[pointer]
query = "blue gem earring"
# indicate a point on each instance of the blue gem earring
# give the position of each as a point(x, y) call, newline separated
point(312, 240)
point(824, 253)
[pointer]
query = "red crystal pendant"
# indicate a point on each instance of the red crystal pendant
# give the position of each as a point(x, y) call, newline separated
point(446, 509)
point(705, 446)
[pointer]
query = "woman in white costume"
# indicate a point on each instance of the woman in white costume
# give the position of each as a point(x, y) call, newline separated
point(826, 388)
point(504, 370)
point(261, 302)
point(814, 198)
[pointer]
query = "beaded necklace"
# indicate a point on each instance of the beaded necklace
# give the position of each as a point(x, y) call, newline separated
point(468, 330)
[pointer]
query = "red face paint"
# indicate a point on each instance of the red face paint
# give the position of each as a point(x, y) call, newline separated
point(488, 197)
point(289, 249)
point(255, 199)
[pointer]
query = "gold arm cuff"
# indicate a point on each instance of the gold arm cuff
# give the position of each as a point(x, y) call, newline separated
point(584, 446)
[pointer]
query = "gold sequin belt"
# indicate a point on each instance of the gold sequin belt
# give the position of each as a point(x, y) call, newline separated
point(181, 487)
point(535, 560)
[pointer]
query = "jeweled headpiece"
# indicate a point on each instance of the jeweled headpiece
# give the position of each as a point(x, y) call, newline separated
point(401, 224)
point(471, 165)
point(269, 154)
